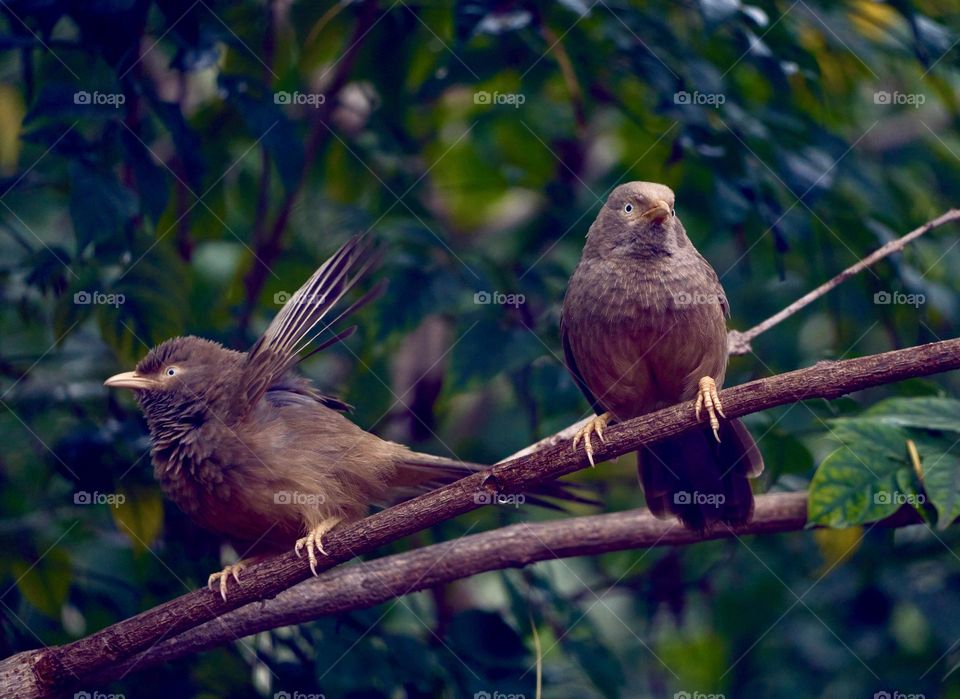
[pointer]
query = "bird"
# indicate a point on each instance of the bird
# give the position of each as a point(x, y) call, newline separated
point(250, 449)
point(643, 327)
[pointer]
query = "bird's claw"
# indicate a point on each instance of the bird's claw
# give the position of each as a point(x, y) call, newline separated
point(709, 399)
point(313, 542)
point(223, 576)
point(597, 424)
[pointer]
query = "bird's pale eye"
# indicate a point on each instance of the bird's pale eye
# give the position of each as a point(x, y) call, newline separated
point(171, 371)
point(628, 208)
point(673, 212)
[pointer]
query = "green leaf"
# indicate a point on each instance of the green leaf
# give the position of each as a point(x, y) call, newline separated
point(45, 584)
point(929, 413)
point(99, 205)
point(865, 479)
point(837, 546)
point(139, 516)
point(941, 474)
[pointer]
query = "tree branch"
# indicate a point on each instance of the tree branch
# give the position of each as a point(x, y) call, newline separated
point(57, 669)
point(371, 583)
point(268, 243)
point(739, 342)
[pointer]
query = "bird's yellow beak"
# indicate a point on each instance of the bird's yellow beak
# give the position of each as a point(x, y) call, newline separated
point(660, 211)
point(130, 379)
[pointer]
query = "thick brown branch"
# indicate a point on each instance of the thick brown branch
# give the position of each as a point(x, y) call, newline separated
point(56, 668)
point(368, 584)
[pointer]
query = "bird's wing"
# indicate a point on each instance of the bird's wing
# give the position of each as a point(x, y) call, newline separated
point(277, 350)
point(711, 275)
point(572, 366)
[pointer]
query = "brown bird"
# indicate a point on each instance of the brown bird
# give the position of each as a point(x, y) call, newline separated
point(644, 327)
point(249, 449)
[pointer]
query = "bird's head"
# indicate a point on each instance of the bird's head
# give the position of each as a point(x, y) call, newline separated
point(637, 220)
point(178, 380)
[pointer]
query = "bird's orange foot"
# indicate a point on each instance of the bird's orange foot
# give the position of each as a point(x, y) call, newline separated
point(707, 397)
point(598, 424)
point(313, 541)
point(224, 575)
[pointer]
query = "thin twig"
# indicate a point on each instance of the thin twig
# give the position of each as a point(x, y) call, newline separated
point(269, 242)
point(739, 342)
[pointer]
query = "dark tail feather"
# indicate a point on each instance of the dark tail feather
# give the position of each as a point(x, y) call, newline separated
point(425, 472)
point(700, 481)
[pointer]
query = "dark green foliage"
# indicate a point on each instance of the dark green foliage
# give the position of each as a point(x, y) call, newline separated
point(150, 151)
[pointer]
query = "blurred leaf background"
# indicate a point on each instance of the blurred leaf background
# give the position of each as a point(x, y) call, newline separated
point(179, 167)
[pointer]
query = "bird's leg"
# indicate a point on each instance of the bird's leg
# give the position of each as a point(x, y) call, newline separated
point(314, 540)
point(598, 424)
point(707, 397)
point(231, 570)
